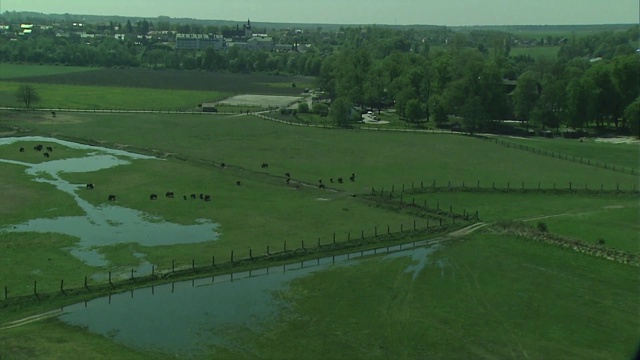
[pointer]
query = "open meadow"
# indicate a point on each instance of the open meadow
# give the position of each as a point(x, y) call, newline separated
point(485, 294)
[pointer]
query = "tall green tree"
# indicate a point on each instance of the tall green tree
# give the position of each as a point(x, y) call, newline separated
point(525, 96)
point(340, 111)
point(632, 117)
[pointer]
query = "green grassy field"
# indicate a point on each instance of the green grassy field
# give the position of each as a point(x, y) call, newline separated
point(379, 159)
point(488, 297)
point(626, 155)
point(109, 98)
point(585, 217)
point(9, 71)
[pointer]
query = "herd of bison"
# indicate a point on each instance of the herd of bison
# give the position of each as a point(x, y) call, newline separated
point(205, 197)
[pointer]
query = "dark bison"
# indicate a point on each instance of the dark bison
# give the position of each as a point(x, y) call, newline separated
point(37, 148)
point(321, 186)
point(287, 175)
point(21, 149)
point(207, 198)
point(339, 180)
point(201, 196)
point(153, 197)
point(89, 186)
point(265, 165)
point(184, 197)
point(352, 178)
point(169, 194)
point(49, 149)
point(331, 180)
point(238, 182)
point(46, 154)
point(287, 181)
point(112, 198)
point(193, 196)
point(222, 165)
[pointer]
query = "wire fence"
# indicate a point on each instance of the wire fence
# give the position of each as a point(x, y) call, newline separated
point(288, 253)
point(562, 156)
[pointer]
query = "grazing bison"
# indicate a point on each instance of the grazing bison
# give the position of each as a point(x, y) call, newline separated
point(331, 180)
point(169, 194)
point(49, 149)
point(265, 165)
point(112, 197)
point(21, 149)
point(321, 186)
point(37, 148)
point(201, 196)
point(184, 197)
point(153, 197)
point(339, 180)
point(207, 198)
point(193, 196)
point(53, 113)
point(287, 181)
point(238, 182)
point(222, 165)
point(90, 186)
point(352, 178)
point(287, 175)
point(46, 154)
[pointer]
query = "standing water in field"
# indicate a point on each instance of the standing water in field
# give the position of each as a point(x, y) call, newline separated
point(189, 317)
point(106, 224)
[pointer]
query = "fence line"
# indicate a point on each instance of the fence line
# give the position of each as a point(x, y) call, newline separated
point(477, 186)
point(561, 156)
point(379, 235)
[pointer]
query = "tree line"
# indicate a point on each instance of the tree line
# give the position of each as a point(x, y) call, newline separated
point(426, 75)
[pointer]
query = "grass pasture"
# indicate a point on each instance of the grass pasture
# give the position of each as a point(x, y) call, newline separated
point(12, 71)
point(625, 155)
point(168, 80)
point(56, 96)
point(529, 300)
point(484, 296)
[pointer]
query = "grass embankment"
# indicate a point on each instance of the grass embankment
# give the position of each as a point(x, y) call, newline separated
point(490, 296)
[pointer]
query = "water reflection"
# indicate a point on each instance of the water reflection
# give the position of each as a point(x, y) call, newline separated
point(103, 225)
point(185, 318)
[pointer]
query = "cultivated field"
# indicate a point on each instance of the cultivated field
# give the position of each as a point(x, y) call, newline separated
point(485, 295)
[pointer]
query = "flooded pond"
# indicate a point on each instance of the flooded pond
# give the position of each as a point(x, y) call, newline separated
point(186, 318)
point(102, 225)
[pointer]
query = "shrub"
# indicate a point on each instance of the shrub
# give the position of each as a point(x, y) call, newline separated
point(542, 227)
point(303, 108)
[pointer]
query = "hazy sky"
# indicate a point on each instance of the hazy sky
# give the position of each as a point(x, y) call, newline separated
point(431, 12)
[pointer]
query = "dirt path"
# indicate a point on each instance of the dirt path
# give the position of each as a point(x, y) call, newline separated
point(30, 319)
